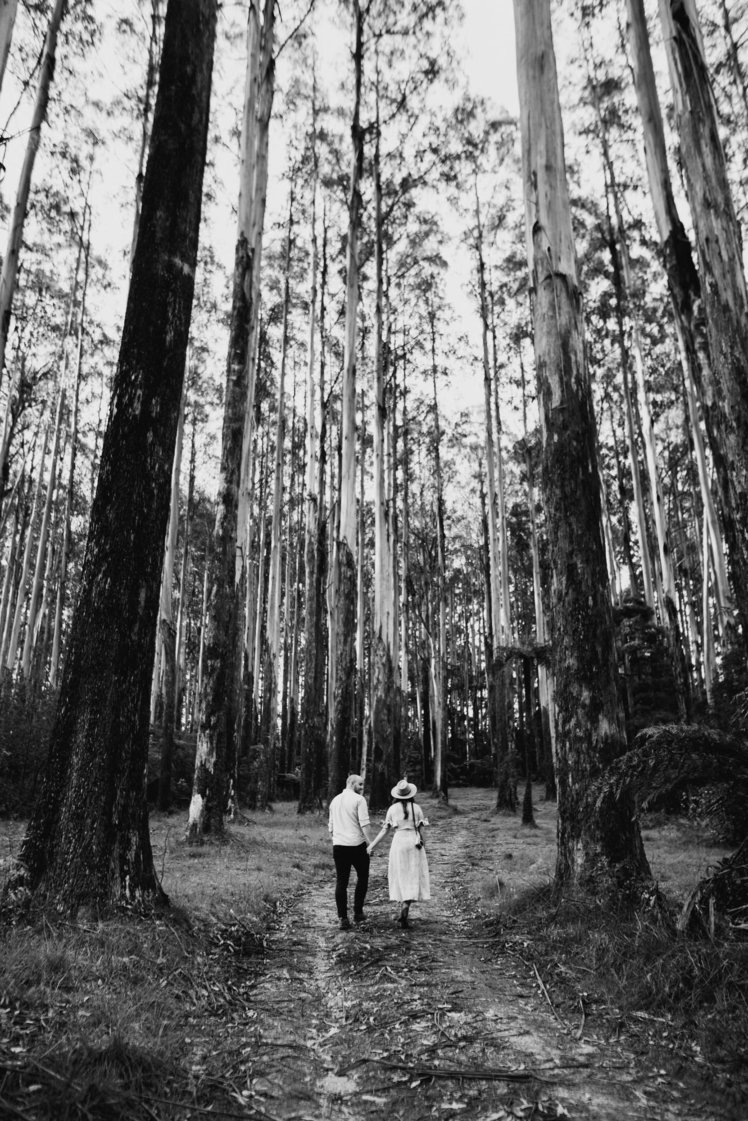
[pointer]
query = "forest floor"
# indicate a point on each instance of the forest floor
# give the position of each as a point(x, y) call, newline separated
point(288, 1018)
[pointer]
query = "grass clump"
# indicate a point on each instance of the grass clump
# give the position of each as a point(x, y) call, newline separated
point(618, 973)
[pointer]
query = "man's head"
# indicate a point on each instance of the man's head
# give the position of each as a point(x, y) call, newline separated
point(355, 783)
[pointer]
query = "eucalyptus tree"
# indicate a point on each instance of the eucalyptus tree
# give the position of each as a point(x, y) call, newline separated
point(724, 381)
point(599, 845)
point(344, 583)
point(9, 275)
point(87, 842)
point(484, 148)
point(312, 740)
point(407, 38)
point(218, 699)
point(66, 547)
point(8, 10)
point(148, 94)
point(272, 645)
point(604, 93)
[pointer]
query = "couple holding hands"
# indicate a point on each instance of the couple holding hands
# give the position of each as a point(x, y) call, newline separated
point(352, 845)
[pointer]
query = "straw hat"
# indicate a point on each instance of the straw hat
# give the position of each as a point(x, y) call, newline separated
point(404, 790)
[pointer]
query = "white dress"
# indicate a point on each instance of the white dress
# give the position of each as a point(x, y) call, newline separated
point(408, 869)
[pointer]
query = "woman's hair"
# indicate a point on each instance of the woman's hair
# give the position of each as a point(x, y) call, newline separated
point(405, 805)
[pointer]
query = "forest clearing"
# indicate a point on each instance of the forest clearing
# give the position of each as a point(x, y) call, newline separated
point(246, 1000)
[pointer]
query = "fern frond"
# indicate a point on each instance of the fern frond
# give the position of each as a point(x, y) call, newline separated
point(671, 758)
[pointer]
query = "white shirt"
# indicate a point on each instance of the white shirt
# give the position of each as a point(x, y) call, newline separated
point(348, 813)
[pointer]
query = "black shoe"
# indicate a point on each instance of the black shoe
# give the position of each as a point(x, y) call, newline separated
point(345, 923)
point(403, 920)
point(358, 916)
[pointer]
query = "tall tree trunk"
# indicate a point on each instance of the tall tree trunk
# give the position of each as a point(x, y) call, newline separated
point(312, 747)
point(181, 661)
point(707, 642)
point(501, 523)
point(494, 566)
point(724, 388)
point(599, 845)
point(406, 721)
point(385, 616)
point(9, 276)
point(630, 426)
point(271, 678)
point(17, 615)
point(342, 651)
point(545, 680)
point(664, 572)
point(88, 841)
point(292, 634)
point(733, 55)
point(722, 593)
point(506, 777)
point(358, 761)
point(683, 281)
point(635, 584)
point(70, 493)
point(259, 96)
point(41, 548)
point(151, 78)
point(8, 10)
point(497, 678)
point(217, 698)
point(438, 630)
point(166, 607)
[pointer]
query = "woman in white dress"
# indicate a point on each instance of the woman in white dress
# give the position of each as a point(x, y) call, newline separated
point(408, 869)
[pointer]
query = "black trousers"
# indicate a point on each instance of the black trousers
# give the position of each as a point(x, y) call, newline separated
point(347, 857)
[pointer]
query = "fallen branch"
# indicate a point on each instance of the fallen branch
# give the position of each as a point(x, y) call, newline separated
point(544, 991)
point(482, 1074)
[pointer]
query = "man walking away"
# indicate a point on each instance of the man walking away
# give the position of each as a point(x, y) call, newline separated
point(349, 826)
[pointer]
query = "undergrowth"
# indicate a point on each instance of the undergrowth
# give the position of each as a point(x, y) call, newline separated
point(632, 975)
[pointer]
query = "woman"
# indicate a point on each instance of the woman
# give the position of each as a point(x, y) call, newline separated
point(408, 869)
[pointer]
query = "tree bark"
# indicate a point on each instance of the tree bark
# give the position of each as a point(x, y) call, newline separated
point(343, 649)
point(313, 757)
point(724, 387)
point(385, 616)
point(87, 842)
point(218, 694)
point(599, 845)
point(151, 77)
point(438, 632)
point(271, 675)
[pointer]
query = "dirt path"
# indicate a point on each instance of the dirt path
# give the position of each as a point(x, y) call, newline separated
point(370, 1023)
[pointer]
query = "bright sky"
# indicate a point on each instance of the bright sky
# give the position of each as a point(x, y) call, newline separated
point(489, 41)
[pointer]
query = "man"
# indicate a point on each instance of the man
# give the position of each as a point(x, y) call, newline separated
point(349, 826)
